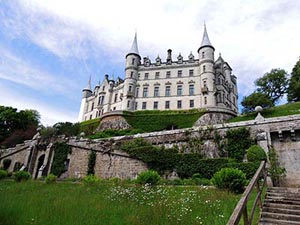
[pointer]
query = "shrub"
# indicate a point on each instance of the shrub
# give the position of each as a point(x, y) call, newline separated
point(61, 151)
point(256, 153)
point(91, 180)
point(91, 163)
point(249, 168)
point(231, 179)
point(21, 176)
point(6, 163)
point(3, 174)
point(148, 177)
point(51, 178)
point(275, 171)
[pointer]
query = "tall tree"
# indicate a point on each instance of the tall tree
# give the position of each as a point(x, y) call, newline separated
point(274, 84)
point(256, 99)
point(294, 85)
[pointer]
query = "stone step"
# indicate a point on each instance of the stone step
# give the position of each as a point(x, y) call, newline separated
point(283, 198)
point(282, 201)
point(281, 194)
point(282, 211)
point(268, 221)
point(280, 216)
point(282, 206)
point(284, 190)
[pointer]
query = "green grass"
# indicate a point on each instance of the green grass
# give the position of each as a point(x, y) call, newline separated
point(281, 110)
point(155, 120)
point(74, 203)
point(89, 126)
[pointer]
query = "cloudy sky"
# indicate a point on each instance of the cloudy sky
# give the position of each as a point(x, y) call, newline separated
point(49, 48)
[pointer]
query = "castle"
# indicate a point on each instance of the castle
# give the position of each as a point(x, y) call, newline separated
point(203, 83)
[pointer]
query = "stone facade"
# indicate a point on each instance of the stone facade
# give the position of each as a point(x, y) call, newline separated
point(203, 83)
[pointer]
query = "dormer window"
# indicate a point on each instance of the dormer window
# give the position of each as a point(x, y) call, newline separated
point(146, 76)
point(131, 74)
point(133, 61)
point(203, 54)
point(179, 73)
point(204, 68)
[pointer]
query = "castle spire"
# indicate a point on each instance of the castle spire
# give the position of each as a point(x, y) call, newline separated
point(88, 86)
point(205, 39)
point(134, 47)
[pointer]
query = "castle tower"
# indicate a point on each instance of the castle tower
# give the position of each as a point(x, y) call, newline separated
point(133, 60)
point(207, 72)
point(86, 93)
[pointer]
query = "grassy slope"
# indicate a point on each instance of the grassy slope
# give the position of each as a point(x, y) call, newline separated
point(108, 204)
point(281, 110)
point(162, 120)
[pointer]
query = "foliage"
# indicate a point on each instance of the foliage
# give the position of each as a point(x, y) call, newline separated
point(22, 176)
point(51, 178)
point(256, 154)
point(155, 120)
point(61, 151)
point(89, 126)
point(91, 180)
point(148, 177)
point(249, 168)
point(231, 179)
point(62, 128)
point(3, 174)
point(238, 140)
point(6, 163)
point(281, 110)
point(17, 126)
point(91, 163)
point(275, 171)
point(274, 84)
point(256, 99)
point(294, 84)
point(112, 133)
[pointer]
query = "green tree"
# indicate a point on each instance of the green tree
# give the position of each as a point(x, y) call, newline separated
point(274, 84)
point(256, 99)
point(294, 85)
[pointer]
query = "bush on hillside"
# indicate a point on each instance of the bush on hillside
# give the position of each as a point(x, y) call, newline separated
point(22, 176)
point(148, 177)
point(51, 178)
point(91, 180)
point(256, 153)
point(230, 179)
point(3, 174)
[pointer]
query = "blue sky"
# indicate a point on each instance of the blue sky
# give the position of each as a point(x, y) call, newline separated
point(49, 48)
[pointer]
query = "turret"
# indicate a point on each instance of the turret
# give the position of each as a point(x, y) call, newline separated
point(206, 62)
point(86, 92)
point(133, 60)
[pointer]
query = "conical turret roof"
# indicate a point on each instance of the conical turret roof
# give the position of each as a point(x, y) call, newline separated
point(88, 86)
point(205, 39)
point(134, 47)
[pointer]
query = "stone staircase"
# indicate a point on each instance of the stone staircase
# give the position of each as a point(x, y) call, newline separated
point(281, 206)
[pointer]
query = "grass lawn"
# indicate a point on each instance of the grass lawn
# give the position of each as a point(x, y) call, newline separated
point(74, 203)
point(281, 110)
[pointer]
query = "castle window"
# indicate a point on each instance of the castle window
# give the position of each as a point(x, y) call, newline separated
point(156, 91)
point(103, 88)
point(139, 76)
point(179, 73)
point(99, 100)
point(155, 105)
point(191, 73)
point(179, 104)
point(203, 54)
point(128, 104)
point(92, 106)
point(137, 92)
point(233, 100)
point(144, 105)
point(131, 74)
point(204, 83)
point(146, 76)
point(116, 97)
point(132, 62)
point(157, 75)
point(205, 100)
point(204, 68)
point(167, 104)
point(191, 89)
point(168, 90)
point(179, 90)
point(191, 103)
point(145, 92)
point(135, 105)
point(91, 116)
point(168, 74)
point(130, 88)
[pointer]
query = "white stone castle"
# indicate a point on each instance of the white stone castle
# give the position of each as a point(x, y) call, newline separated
point(203, 83)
